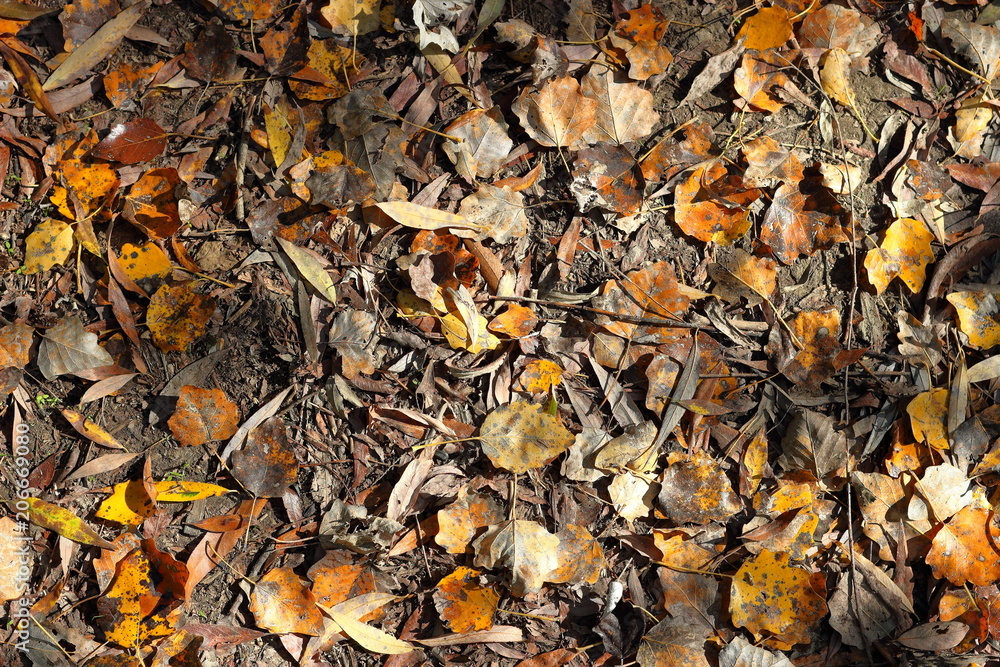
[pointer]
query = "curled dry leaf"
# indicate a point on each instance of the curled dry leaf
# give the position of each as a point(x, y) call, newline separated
point(151, 203)
point(415, 216)
point(769, 164)
point(203, 415)
point(557, 115)
point(812, 443)
point(979, 44)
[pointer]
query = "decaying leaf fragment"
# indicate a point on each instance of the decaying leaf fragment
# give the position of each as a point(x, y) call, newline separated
point(68, 348)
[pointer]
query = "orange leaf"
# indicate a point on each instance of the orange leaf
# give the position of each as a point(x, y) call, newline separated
point(558, 114)
point(462, 521)
point(965, 549)
point(706, 218)
point(281, 603)
point(768, 28)
point(151, 203)
point(978, 317)
point(90, 430)
point(539, 376)
point(792, 226)
point(516, 322)
point(464, 605)
point(177, 316)
point(203, 415)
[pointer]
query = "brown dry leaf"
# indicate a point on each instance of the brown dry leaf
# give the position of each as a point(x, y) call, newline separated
point(793, 227)
point(519, 437)
point(605, 175)
point(203, 415)
point(822, 355)
point(67, 348)
point(498, 211)
point(940, 494)
point(757, 77)
point(96, 48)
point(812, 443)
point(885, 517)
point(15, 345)
point(281, 602)
point(978, 44)
point(838, 27)
point(740, 275)
point(557, 115)
point(768, 28)
point(312, 267)
point(695, 490)
point(49, 244)
point(351, 334)
point(673, 642)
point(151, 203)
point(905, 253)
point(133, 142)
point(211, 57)
point(929, 417)
point(525, 548)
point(978, 317)
point(177, 315)
point(700, 214)
point(624, 110)
point(462, 521)
point(965, 549)
point(483, 143)
point(770, 596)
point(464, 604)
point(266, 465)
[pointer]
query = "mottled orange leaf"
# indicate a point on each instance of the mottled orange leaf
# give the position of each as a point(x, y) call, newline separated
point(793, 226)
point(324, 79)
point(281, 602)
point(146, 265)
point(465, 519)
point(771, 596)
point(15, 345)
point(178, 315)
point(516, 321)
point(539, 376)
point(965, 548)
point(464, 604)
point(651, 291)
point(151, 203)
point(605, 176)
point(203, 415)
point(581, 558)
point(91, 185)
point(131, 598)
point(707, 217)
point(695, 490)
point(757, 77)
point(558, 114)
point(767, 28)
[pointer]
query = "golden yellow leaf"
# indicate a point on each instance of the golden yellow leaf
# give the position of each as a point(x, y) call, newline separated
point(929, 417)
point(905, 253)
point(978, 317)
point(49, 244)
point(519, 436)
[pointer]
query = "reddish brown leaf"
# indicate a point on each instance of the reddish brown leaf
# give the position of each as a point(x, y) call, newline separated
point(133, 142)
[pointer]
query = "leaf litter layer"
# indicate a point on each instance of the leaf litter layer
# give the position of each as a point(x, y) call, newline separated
point(446, 332)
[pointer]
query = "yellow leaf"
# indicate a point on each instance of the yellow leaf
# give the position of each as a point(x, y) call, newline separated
point(311, 269)
point(929, 417)
point(519, 437)
point(415, 216)
point(181, 492)
point(51, 243)
point(64, 522)
point(129, 504)
point(90, 430)
point(834, 76)
point(978, 317)
point(373, 639)
point(905, 253)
